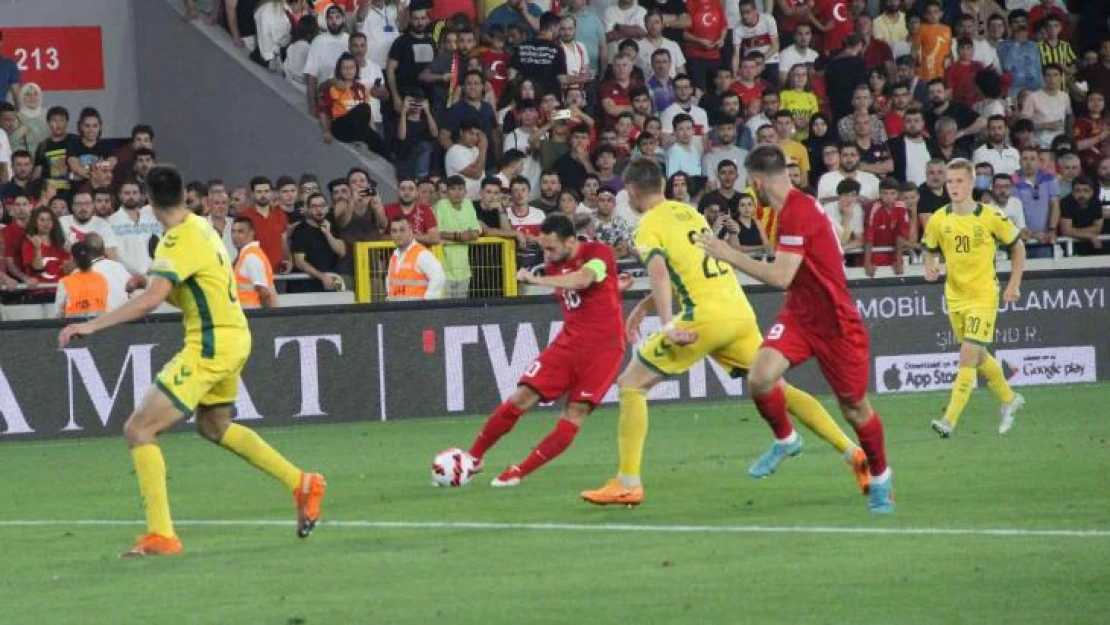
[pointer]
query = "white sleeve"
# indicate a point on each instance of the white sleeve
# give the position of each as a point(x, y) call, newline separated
point(679, 57)
point(253, 269)
point(427, 263)
point(612, 18)
point(457, 159)
point(107, 235)
point(5, 154)
point(666, 121)
point(310, 61)
point(60, 301)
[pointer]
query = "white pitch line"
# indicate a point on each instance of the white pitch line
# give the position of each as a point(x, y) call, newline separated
point(583, 527)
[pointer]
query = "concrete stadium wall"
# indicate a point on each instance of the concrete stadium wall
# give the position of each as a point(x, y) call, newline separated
point(118, 102)
point(359, 363)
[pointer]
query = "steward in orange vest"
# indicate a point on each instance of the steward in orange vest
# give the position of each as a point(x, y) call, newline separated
point(83, 293)
point(414, 272)
point(254, 276)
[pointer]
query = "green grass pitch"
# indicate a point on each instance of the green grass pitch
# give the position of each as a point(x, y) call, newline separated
point(567, 562)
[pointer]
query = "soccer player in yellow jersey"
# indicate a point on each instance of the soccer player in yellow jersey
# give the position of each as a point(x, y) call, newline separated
point(967, 233)
point(715, 320)
point(192, 271)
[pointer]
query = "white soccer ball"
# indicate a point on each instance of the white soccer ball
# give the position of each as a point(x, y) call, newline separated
point(452, 467)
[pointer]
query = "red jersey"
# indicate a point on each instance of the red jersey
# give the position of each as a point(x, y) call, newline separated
point(748, 94)
point(13, 243)
point(421, 217)
point(790, 24)
point(708, 21)
point(497, 72)
point(593, 318)
point(894, 123)
point(818, 297)
point(621, 96)
point(270, 231)
point(877, 54)
point(883, 228)
point(835, 11)
point(960, 78)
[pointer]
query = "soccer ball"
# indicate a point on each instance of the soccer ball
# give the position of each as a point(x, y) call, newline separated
point(452, 467)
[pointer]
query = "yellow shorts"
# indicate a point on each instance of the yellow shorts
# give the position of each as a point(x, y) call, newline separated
point(974, 325)
point(190, 381)
point(731, 342)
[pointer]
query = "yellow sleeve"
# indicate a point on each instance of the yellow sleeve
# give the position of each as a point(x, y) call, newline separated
point(931, 240)
point(649, 239)
point(1002, 228)
point(175, 259)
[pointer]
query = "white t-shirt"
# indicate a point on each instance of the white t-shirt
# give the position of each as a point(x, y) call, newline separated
point(982, 52)
point(578, 58)
point(368, 75)
point(758, 37)
point(701, 119)
point(133, 238)
point(917, 155)
point(225, 236)
point(868, 182)
point(616, 16)
point(295, 57)
point(325, 50)
point(75, 232)
point(790, 57)
point(1041, 107)
point(380, 28)
point(623, 210)
point(528, 224)
point(1015, 212)
point(1005, 161)
point(832, 209)
point(5, 155)
point(458, 158)
point(647, 48)
point(117, 276)
point(518, 140)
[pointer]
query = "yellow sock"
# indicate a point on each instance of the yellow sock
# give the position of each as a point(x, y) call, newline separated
point(250, 447)
point(150, 468)
point(814, 416)
point(991, 370)
point(632, 432)
point(961, 392)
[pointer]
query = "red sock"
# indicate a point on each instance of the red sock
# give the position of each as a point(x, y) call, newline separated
point(772, 406)
point(555, 443)
point(500, 423)
point(871, 440)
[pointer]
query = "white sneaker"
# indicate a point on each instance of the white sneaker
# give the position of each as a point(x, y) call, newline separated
point(1008, 411)
point(508, 478)
point(942, 428)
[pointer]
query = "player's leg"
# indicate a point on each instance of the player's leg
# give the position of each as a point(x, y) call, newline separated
point(551, 447)
point(213, 422)
point(991, 371)
point(869, 429)
point(546, 379)
point(769, 395)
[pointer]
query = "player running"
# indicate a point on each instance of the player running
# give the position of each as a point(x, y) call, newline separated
point(818, 320)
point(966, 232)
point(716, 320)
point(583, 360)
point(191, 270)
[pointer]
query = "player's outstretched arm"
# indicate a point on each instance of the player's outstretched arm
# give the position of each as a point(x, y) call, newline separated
point(158, 289)
point(778, 274)
point(659, 280)
point(1017, 267)
point(575, 281)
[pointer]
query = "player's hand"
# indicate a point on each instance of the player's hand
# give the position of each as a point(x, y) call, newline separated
point(681, 336)
point(714, 247)
point(932, 272)
point(625, 281)
point(524, 275)
point(75, 331)
point(869, 269)
point(135, 283)
point(1012, 293)
point(328, 280)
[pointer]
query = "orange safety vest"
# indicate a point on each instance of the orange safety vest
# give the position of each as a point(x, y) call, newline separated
point(248, 297)
point(86, 293)
point(406, 282)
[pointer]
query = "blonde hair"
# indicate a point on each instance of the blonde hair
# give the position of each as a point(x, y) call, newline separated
point(962, 163)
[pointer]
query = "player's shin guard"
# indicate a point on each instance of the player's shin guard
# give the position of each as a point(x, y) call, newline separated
point(871, 440)
point(248, 445)
point(991, 371)
point(961, 392)
point(500, 423)
point(632, 433)
point(814, 416)
point(150, 468)
point(555, 443)
point(772, 406)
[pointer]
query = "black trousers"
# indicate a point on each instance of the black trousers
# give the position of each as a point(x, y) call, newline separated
point(355, 126)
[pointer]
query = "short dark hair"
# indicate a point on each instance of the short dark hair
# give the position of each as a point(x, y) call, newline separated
point(102, 191)
point(1054, 66)
point(245, 221)
point(358, 34)
point(142, 129)
point(259, 180)
point(726, 163)
point(889, 184)
point(164, 187)
point(335, 184)
point(145, 152)
point(197, 187)
point(559, 225)
point(519, 180)
point(549, 20)
point(511, 156)
point(21, 154)
point(57, 111)
point(313, 196)
point(681, 118)
point(284, 181)
point(766, 159)
point(847, 186)
point(645, 175)
point(490, 181)
point(358, 170)
point(82, 255)
point(1082, 179)
point(456, 182)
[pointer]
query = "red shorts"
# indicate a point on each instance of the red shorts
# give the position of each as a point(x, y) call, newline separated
point(580, 374)
point(845, 359)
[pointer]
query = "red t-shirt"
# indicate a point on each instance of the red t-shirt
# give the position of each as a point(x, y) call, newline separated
point(593, 317)
point(877, 54)
point(749, 94)
point(960, 79)
point(421, 217)
point(444, 9)
point(611, 90)
point(894, 123)
point(13, 243)
point(882, 229)
point(818, 297)
point(789, 24)
point(53, 259)
point(835, 11)
point(270, 232)
point(708, 21)
point(497, 68)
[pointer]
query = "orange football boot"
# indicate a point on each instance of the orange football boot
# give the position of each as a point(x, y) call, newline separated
point(154, 545)
point(615, 494)
point(308, 496)
point(861, 470)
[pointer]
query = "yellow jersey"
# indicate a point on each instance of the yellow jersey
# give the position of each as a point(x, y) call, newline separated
point(193, 258)
point(969, 243)
point(705, 287)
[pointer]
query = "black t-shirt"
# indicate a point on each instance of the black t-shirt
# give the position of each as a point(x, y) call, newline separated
point(543, 62)
point(841, 78)
point(99, 151)
point(412, 54)
point(310, 241)
point(1080, 216)
point(51, 156)
point(491, 218)
point(731, 206)
point(930, 202)
point(572, 174)
point(749, 235)
point(876, 153)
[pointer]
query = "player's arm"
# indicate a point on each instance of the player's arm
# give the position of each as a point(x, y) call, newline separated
point(593, 271)
point(930, 243)
point(659, 282)
point(778, 274)
point(157, 290)
point(1017, 267)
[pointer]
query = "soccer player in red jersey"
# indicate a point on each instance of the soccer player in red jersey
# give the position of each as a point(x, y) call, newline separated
point(818, 320)
point(581, 363)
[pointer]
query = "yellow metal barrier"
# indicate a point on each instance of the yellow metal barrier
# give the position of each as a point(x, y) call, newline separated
point(492, 266)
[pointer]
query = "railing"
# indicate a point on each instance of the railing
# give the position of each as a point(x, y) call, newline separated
point(492, 265)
